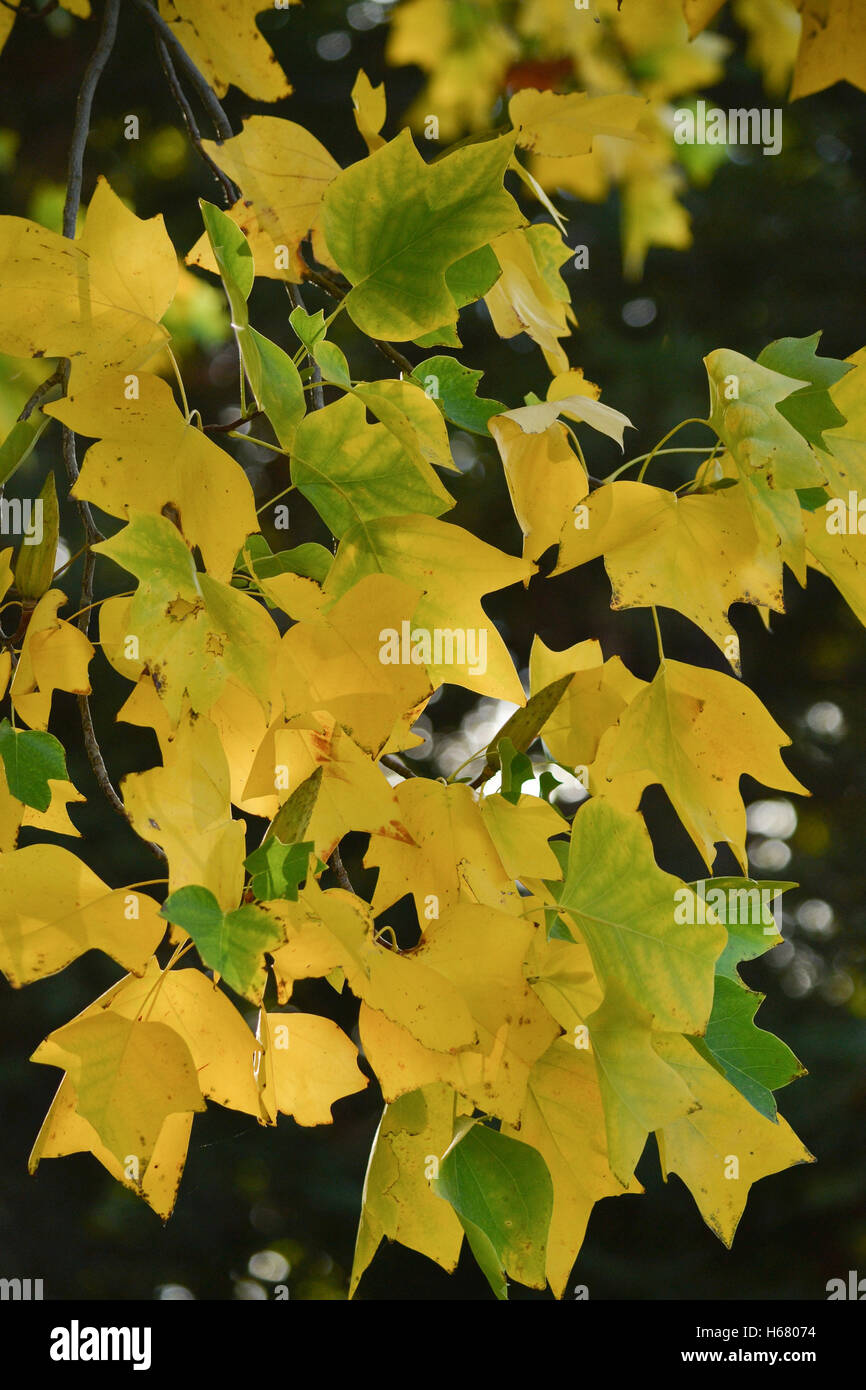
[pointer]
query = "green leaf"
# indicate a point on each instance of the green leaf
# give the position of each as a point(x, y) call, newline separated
point(20, 443)
point(746, 915)
point(468, 280)
point(811, 410)
point(526, 723)
point(232, 943)
point(276, 385)
point(744, 400)
point(752, 1060)
point(34, 564)
point(454, 387)
point(309, 327)
point(234, 259)
point(332, 361)
point(311, 560)
point(516, 769)
point(278, 869)
point(622, 905)
point(395, 226)
point(31, 759)
point(293, 817)
point(351, 471)
point(502, 1193)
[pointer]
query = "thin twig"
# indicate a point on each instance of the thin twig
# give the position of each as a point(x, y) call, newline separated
point(232, 424)
point(83, 108)
point(55, 379)
point(92, 533)
point(388, 760)
point(230, 189)
point(199, 81)
point(337, 291)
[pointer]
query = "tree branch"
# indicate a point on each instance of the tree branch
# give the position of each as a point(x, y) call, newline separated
point(231, 190)
point(335, 863)
point(92, 533)
point(42, 390)
point(206, 93)
point(83, 108)
point(388, 760)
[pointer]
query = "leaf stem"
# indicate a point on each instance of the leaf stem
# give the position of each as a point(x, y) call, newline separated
point(658, 634)
point(179, 382)
point(692, 420)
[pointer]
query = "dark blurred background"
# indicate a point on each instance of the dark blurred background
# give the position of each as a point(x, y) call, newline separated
point(778, 250)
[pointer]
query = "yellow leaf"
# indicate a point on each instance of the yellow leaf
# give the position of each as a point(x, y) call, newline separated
point(832, 46)
point(774, 30)
point(128, 1077)
point(697, 732)
point(655, 547)
point(282, 172)
point(558, 126)
point(354, 794)
point(563, 1119)
point(530, 295)
point(456, 569)
point(220, 1043)
point(399, 1203)
point(150, 458)
point(592, 702)
point(334, 928)
point(698, 14)
point(545, 479)
point(54, 909)
point(513, 1026)
point(371, 109)
point(520, 833)
point(335, 663)
point(640, 1092)
point(97, 300)
point(65, 1131)
point(54, 656)
point(56, 819)
point(563, 977)
point(310, 1065)
point(224, 42)
point(448, 857)
point(701, 1147)
point(184, 806)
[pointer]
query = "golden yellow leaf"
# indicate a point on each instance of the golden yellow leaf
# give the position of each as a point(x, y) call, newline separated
point(65, 1131)
point(563, 1119)
point(399, 1203)
point(513, 1027)
point(591, 703)
point(457, 569)
point(221, 1044)
point(371, 108)
point(520, 831)
point(224, 42)
point(655, 546)
point(334, 928)
point(54, 656)
point(448, 855)
point(697, 732)
point(55, 908)
point(128, 1076)
point(335, 663)
point(545, 479)
point(150, 458)
point(722, 1148)
point(832, 46)
point(97, 300)
point(309, 1064)
point(530, 295)
point(282, 172)
point(184, 806)
point(559, 126)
